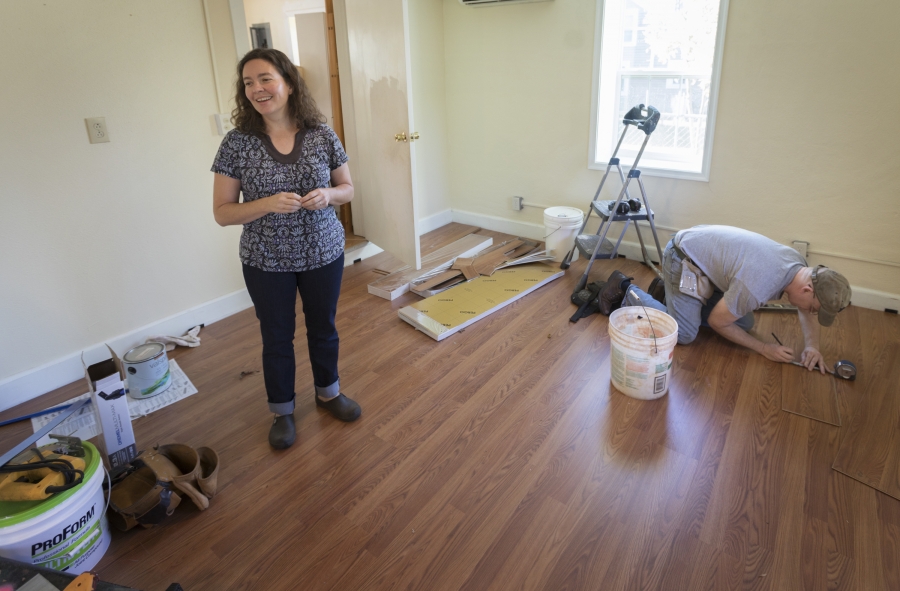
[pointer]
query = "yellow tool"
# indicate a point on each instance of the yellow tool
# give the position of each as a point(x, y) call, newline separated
point(35, 474)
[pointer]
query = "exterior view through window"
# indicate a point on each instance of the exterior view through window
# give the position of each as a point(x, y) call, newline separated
point(664, 53)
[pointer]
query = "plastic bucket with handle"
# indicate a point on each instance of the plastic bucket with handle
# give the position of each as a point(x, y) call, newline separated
point(67, 531)
point(642, 343)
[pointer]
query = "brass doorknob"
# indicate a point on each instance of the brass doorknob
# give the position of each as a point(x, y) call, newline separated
point(414, 136)
point(400, 137)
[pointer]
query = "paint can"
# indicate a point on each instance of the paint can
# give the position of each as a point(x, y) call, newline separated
point(147, 370)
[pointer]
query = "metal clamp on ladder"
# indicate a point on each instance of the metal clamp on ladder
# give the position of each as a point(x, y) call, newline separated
point(624, 208)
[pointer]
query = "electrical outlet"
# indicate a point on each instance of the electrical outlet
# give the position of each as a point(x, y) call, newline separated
point(517, 203)
point(96, 127)
point(223, 123)
point(801, 247)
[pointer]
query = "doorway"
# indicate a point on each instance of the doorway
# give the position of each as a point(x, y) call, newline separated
point(304, 31)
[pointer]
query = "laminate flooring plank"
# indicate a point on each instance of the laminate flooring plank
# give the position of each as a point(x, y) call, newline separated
point(788, 550)
point(740, 505)
point(870, 450)
point(465, 428)
point(654, 525)
point(806, 393)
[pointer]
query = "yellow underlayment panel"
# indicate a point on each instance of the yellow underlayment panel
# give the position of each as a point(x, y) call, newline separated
point(443, 314)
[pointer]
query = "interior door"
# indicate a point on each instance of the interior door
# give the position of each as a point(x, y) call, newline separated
point(384, 171)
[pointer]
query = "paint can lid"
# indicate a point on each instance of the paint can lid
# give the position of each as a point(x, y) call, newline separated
point(144, 352)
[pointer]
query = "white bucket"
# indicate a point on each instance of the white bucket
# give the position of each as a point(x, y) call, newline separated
point(147, 370)
point(562, 225)
point(641, 366)
point(67, 532)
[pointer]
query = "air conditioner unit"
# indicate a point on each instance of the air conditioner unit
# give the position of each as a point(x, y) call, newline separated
point(495, 2)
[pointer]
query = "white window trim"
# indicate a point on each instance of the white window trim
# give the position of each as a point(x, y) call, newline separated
point(703, 175)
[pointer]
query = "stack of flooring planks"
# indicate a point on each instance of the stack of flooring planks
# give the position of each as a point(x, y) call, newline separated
point(446, 313)
point(397, 283)
point(509, 252)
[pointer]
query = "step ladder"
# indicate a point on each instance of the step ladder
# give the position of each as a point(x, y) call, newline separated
point(624, 208)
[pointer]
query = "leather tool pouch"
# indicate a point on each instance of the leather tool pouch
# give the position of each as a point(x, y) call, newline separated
point(694, 283)
point(157, 481)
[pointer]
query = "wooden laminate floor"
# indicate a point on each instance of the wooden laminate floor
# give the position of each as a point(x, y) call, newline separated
point(501, 458)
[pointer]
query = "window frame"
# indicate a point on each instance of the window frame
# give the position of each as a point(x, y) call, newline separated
point(594, 161)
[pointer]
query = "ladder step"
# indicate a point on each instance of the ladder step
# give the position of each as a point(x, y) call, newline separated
point(587, 242)
point(601, 208)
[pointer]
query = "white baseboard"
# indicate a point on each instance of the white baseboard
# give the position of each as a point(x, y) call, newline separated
point(862, 297)
point(362, 253)
point(435, 221)
point(498, 224)
point(875, 300)
point(32, 383)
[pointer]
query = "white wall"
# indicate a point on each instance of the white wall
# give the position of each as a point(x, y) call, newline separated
point(99, 240)
point(426, 28)
point(805, 145)
point(312, 50)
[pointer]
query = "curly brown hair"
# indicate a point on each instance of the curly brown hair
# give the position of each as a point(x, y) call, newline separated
point(301, 105)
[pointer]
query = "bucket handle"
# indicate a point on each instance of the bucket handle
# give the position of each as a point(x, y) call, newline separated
point(551, 233)
point(652, 330)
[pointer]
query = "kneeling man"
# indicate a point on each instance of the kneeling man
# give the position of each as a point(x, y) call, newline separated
point(718, 275)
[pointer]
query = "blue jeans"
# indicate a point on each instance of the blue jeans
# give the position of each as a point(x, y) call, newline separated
point(274, 295)
point(690, 313)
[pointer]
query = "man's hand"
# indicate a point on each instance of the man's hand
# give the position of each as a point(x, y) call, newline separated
point(779, 353)
point(811, 357)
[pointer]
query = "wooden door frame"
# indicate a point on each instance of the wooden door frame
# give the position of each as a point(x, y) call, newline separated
point(344, 211)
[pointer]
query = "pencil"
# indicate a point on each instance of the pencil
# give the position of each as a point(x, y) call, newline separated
point(777, 340)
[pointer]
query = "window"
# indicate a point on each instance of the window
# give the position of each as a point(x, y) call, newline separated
point(664, 53)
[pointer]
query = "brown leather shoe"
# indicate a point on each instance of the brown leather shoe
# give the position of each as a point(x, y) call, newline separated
point(283, 432)
point(613, 292)
point(341, 407)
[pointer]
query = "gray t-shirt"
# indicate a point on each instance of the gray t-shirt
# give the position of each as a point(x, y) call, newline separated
point(299, 241)
point(748, 267)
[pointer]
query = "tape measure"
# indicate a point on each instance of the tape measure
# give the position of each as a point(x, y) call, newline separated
point(845, 369)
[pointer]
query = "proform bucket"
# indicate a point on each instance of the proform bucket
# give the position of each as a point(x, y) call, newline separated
point(561, 227)
point(642, 343)
point(66, 532)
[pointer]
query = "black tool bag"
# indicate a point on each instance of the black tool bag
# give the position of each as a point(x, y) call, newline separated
point(587, 300)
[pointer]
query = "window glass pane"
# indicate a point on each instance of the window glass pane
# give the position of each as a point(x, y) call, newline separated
point(660, 53)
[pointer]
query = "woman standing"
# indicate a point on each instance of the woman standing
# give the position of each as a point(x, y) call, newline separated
point(292, 170)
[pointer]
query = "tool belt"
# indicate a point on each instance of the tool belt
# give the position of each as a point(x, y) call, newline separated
point(693, 281)
point(155, 482)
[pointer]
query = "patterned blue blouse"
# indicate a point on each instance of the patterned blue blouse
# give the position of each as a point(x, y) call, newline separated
point(298, 241)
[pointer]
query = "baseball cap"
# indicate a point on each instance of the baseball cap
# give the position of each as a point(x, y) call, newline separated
point(832, 291)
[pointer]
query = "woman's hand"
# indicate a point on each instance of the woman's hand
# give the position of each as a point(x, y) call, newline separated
point(284, 202)
point(811, 357)
point(316, 199)
point(779, 353)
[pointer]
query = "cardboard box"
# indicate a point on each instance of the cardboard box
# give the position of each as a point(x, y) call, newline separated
point(106, 381)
